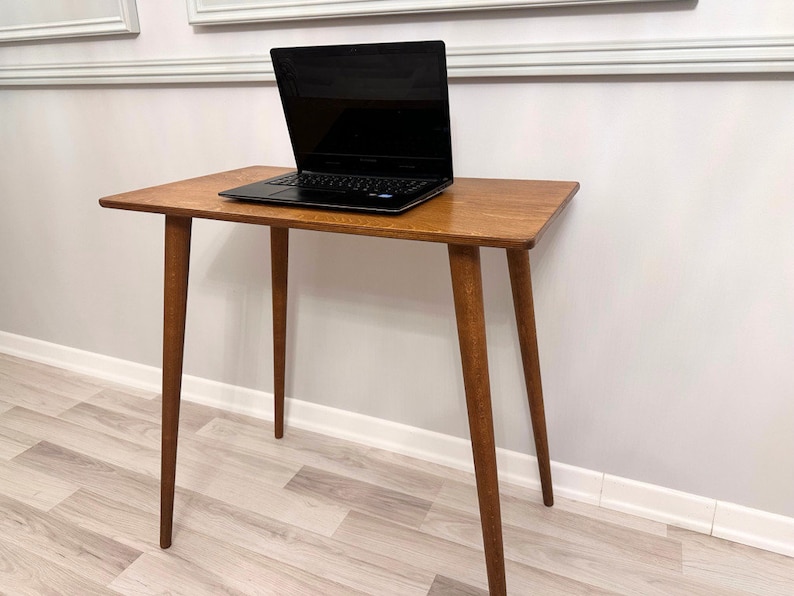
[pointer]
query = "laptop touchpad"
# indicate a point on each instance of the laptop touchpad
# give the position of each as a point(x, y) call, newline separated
point(308, 194)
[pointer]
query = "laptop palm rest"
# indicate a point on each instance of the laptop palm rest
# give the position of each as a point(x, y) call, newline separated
point(307, 194)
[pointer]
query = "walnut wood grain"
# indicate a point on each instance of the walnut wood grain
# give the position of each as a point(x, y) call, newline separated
point(177, 260)
point(482, 212)
point(467, 291)
point(279, 250)
point(521, 283)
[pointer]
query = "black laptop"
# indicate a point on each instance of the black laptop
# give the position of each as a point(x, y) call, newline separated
point(369, 126)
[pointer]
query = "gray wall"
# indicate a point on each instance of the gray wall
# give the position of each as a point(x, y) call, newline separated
point(664, 295)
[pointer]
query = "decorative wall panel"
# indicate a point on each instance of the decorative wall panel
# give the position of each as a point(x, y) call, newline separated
point(42, 19)
point(224, 12)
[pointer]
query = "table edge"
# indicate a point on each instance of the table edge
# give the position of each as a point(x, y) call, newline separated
point(347, 228)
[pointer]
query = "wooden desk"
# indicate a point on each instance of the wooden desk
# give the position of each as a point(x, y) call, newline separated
point(509, 214)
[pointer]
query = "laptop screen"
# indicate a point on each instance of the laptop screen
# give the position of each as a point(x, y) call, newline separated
point(380, 109)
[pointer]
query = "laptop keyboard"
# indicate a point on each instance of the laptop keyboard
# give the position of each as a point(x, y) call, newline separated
point(380, 186)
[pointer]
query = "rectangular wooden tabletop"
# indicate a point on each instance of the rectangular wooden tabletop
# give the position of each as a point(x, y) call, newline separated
point(473, 211)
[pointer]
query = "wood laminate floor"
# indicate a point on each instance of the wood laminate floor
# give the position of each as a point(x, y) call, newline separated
point(79, 503)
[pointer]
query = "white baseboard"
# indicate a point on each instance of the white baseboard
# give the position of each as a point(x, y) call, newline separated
point(740, 524)
point(660, 504)
point(756, 528)
point(108, 368)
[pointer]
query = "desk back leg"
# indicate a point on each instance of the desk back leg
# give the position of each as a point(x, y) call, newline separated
point(521, 282)
point(467, 290)
point(279, 250)
point(177, 260)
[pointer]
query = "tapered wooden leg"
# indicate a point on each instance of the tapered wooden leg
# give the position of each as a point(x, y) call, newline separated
point(177, 259)
point(279, 250)
point(521, 282)
point(467, 289)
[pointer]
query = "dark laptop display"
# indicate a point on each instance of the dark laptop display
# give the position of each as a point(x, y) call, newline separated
point(369, 126)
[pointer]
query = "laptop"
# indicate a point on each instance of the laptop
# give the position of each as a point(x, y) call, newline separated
point(369, 126)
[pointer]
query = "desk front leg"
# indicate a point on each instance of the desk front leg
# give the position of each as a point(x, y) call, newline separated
point(177, 260)
point(467, 289)
point(279, 251)
point(521, 282)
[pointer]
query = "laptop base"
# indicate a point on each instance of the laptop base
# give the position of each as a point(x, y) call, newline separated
point(265, 192)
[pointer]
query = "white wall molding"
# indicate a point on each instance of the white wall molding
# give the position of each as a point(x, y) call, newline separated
point(696, 56)
point(204, 12)
point(43, 19)
point(141, 72)
point(744, 525)
point(761, 55)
